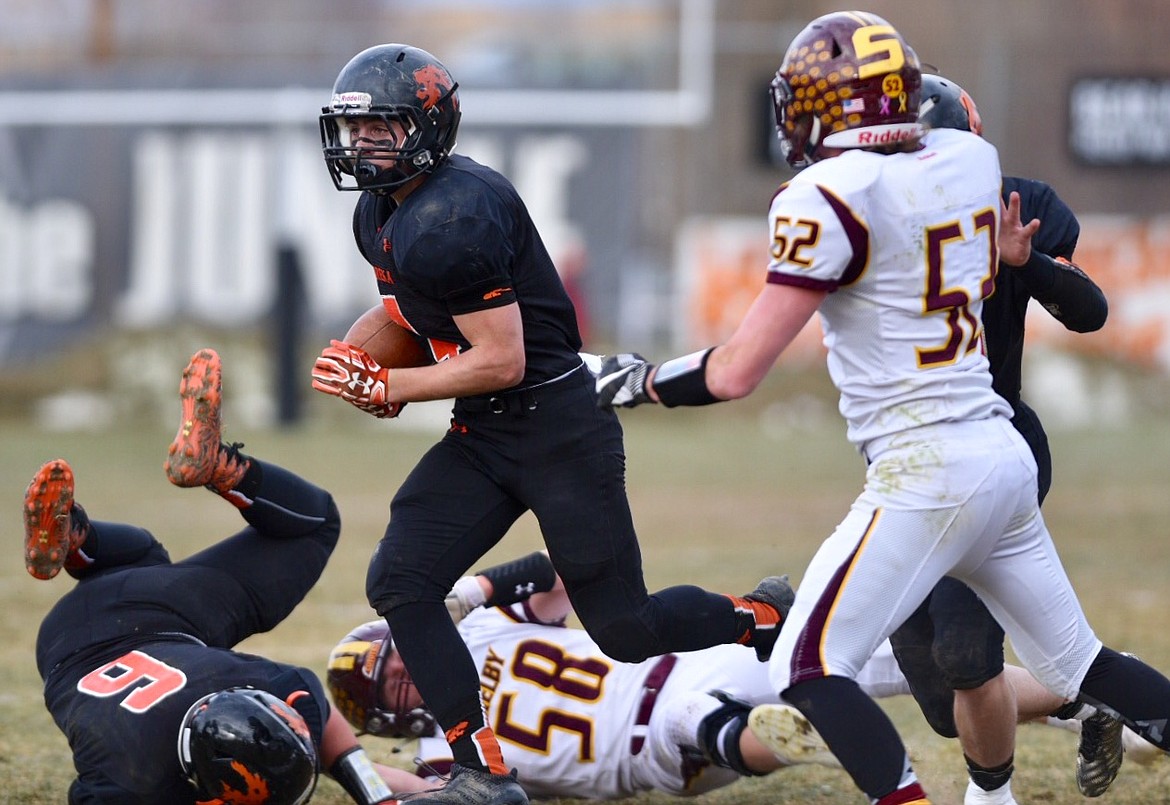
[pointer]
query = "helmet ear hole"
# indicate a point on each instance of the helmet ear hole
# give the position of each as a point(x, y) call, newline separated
point(799, 145)
point(814, 135)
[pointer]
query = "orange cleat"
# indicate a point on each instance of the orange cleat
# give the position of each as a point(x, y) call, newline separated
point(198, 456)
point(49, 535)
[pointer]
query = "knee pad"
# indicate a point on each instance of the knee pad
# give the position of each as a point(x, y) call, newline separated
point(622, 638)
point(616, 620)
point(390, 582)
point(967, 665)
point(968, 641)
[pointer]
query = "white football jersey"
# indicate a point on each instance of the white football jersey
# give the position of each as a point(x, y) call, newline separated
point(566, 715)
point(906, 245)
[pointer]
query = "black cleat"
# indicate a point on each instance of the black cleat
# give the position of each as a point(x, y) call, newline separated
point(469, 786)
point(1099, 754)
point(777, 593)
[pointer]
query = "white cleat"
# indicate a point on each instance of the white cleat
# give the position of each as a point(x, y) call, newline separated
point(789, 735)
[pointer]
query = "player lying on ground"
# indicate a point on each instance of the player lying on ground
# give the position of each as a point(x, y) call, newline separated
point(576, 721)
point(572, 721)
point(137, 658)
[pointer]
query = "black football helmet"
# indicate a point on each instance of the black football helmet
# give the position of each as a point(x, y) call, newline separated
point(848, 80)
point(354, 678)
point(397, 83)
point(946, 105)
point(246, 745)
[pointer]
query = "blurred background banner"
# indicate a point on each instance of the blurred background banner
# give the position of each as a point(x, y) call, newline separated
point(719, 273)
point(160, 162)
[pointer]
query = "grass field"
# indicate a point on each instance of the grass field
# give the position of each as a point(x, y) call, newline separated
point(721, 497)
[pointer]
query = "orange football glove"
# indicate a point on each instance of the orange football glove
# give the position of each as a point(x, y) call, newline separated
point(349, 372)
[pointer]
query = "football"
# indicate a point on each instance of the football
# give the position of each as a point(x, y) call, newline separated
point(387, 342)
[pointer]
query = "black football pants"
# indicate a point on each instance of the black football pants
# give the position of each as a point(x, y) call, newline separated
point(554, 452)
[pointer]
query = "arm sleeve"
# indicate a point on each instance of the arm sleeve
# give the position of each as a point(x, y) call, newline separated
point(1065, 291)
point(1049, 276)
point(519, 579)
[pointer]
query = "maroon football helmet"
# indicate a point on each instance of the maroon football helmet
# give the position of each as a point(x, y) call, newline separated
point(848, 80)
point(355, 682)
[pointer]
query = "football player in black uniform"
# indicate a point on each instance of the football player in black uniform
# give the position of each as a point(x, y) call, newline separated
point(137, 658)
point(459, 262)
point(951, 649)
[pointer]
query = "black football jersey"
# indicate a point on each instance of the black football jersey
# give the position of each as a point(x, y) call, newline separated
point(122, 716)
point(461, 242)
point(139, 639)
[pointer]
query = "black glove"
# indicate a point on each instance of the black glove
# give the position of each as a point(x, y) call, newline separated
point(622, 381)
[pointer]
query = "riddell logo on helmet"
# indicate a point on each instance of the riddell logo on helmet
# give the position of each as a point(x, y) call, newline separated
point(351, 100)
point(884, 137)
point(370, 662)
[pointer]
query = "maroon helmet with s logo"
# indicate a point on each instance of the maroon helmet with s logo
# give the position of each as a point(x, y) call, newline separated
point(848, 80)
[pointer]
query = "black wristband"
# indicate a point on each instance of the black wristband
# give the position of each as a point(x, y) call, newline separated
point(517, 580)
point(683, 381)
point(354, 772)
